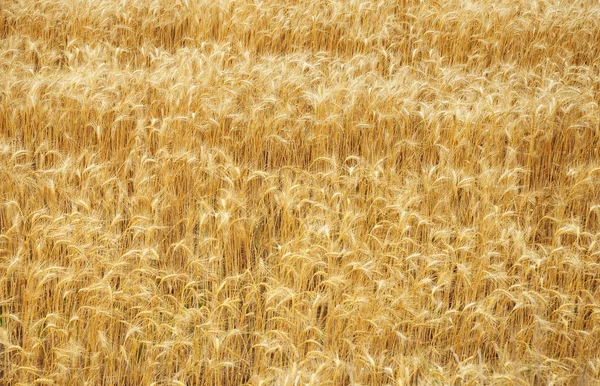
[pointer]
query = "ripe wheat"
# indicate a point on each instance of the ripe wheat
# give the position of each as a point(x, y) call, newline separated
point(278, 192)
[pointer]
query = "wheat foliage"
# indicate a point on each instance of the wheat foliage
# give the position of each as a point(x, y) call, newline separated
point(284, 192)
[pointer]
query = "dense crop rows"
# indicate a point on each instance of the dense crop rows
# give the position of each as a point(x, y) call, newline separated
point(286, 192)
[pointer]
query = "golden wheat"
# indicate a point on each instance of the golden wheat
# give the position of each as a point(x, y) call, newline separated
point(280, 193)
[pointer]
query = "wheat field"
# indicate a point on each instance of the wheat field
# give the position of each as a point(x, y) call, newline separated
point(287, 192)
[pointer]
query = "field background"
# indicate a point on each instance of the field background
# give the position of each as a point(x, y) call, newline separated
point(286, 192)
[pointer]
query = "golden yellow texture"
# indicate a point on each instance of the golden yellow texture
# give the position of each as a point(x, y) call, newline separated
point(236, 192)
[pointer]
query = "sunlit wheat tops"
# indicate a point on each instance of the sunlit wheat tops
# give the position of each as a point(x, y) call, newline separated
point(278, 192)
